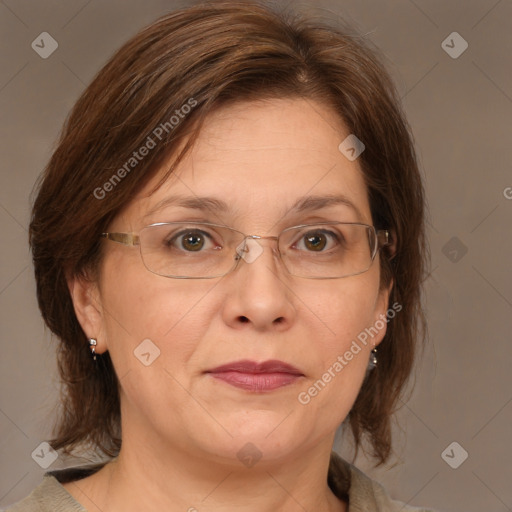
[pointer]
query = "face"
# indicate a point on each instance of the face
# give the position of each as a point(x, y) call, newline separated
point(259, 158)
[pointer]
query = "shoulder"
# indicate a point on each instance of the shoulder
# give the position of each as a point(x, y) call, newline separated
point(363, 492)
point(51, 496)
point(48, 496)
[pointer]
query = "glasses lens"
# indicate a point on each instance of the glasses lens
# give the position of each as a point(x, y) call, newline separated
point(189, 250)
point(328, 250)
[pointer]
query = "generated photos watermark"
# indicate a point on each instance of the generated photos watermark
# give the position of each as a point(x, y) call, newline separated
point(304, 397)
point(151, 142)
point(44, 455)
point(146, 352)
point(454, 455)
point(249, 455)
point(351, 147)
point(454, 45)
point(44, 45)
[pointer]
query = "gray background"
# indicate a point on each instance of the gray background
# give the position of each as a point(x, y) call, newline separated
point(460, 111)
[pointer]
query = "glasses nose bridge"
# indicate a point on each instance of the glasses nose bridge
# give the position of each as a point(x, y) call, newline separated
point(275, 250)
point(259, 237)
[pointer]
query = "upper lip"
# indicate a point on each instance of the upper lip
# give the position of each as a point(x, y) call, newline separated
point(246, 366)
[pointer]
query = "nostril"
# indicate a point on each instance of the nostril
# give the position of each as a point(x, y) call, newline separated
point(244, 319)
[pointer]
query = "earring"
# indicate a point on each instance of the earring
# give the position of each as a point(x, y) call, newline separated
point(372, 363)
point(92, 346)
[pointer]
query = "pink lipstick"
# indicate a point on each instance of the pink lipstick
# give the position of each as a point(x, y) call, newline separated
point(258, 377)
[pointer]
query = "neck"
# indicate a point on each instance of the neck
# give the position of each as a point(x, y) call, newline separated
point(146, 477)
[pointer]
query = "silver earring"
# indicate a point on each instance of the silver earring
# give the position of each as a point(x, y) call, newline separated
point(92, 346)
point(372, 363)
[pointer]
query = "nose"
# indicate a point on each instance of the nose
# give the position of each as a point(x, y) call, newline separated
point(259, 292)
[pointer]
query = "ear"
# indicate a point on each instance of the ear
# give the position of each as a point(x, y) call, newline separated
point(382, 308)
point(390, 248)
point(86, 299)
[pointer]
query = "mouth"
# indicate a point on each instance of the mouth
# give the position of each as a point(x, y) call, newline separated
point(257, 377)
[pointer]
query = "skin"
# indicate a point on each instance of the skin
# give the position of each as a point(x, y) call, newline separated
point(182, 429)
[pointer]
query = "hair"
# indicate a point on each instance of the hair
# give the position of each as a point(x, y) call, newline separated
point(208, 56)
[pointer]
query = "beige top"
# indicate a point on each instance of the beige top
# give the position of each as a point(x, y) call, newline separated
point(346, 481)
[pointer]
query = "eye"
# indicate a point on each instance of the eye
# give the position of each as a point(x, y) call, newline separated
point(191, 240)
point(318, 240)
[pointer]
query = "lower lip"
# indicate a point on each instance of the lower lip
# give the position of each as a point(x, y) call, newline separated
point(257, 381)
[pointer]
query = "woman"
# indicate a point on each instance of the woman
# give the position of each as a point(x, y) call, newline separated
point(229, 244)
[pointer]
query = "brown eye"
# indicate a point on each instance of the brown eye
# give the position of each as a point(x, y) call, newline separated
point(192, 241)
point(319, 240)
point(316, 242)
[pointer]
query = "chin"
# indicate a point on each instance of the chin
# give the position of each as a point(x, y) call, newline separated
point(267, 434)
point(250, 451)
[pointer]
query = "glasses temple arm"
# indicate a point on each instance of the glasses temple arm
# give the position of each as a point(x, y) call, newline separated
point(122, 238)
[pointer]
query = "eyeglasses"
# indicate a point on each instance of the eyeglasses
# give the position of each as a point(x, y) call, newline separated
point(189, 250)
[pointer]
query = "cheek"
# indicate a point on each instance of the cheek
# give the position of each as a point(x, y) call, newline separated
point(152, 328)
point(139, 305)
point(346, 310)
point(344, 313)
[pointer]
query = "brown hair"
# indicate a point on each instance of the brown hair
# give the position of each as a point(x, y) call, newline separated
point(206, 56)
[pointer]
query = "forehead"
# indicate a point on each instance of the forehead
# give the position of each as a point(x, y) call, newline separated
point(260, 159)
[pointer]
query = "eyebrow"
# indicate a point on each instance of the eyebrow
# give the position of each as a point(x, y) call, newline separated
point(206, 203)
